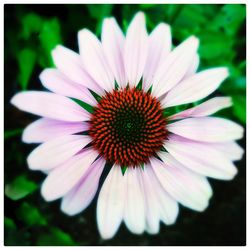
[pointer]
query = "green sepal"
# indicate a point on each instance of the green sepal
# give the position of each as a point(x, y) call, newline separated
point(84, 105)
point(124, 168)
point(96, 96)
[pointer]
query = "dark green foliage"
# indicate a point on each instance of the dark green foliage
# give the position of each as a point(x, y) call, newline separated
point(19, 188)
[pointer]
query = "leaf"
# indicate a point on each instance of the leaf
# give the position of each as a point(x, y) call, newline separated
point(55, 237)
point(172, 10)
point(229, 19)
point(30, 215)
point(239, 107)
point(190, 18)
point(147, 6)
point(212, 46)
point(31, 23)
point(12, 133)
point(99, 11)
point(19, 188)
point(49, 37)
point(26, 62)
point(9, 224)
point(14, 236)
point(234, 86)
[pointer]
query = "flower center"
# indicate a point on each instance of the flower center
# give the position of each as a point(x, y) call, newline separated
point(128, 127)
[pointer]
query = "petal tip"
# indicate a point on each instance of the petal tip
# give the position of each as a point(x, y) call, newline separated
point(16, 100)
point(47, 196)
point(13, 100)
point(140, 15)
point(195, 41)
point(66, 209)
point(84, 33)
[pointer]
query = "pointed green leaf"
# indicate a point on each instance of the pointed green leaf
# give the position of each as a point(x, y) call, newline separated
point(26, 62)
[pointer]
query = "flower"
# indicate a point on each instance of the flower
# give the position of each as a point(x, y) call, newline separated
point(157, 160)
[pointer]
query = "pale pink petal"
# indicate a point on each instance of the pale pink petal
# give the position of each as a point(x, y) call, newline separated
point(45, 129)
point(94, 60)
point(201, 157)
point(168, 207)
point(62, 179)
point(55, 81)
point(231, 150)
point(110, 204)
point(55, 152)
point(193, 67)
point(152, 208)
point(70, 64)
point(50, 105)
point(204, 109)
point(134, 210)
point(159, 43)
point(188, 188)
point(159, 205)
point(113, 45)
point(83, 193)
point(207, 129)
point(136, 49)
point(175, 66)
point(195, 87)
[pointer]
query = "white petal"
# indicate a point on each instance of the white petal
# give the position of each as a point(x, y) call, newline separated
point(193, 67)
point(69, 63)
point(55, 81)
point(230, 149)
point(110, 203)
point(190, 189)
point(134, 210)
point(83, 193)
point(207, 129)
point(45, 129)
point(195, 87)
point(204, 109)
point(50, 105)
point(168, 207)
point(136, 48)
point(159, 205)
point(201, 157)
point(152, 208)
point(55, 152)
point(113, 46)
point(175, 66)
point(159, 43)
point(94, 60)
point(62, 179)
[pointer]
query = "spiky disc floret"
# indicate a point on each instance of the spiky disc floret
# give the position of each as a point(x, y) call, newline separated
point(128, 127)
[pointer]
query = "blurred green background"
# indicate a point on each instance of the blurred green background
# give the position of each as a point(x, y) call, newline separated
point(30, 33)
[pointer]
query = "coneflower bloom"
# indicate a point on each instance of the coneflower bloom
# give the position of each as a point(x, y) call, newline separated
point(157, 159)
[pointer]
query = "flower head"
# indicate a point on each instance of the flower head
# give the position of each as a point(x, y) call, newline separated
point(131, 82)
